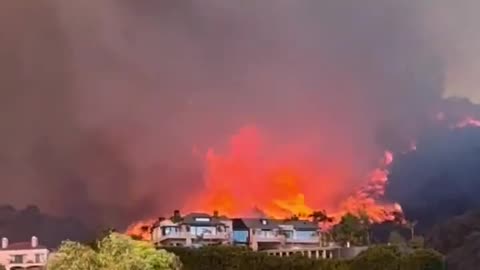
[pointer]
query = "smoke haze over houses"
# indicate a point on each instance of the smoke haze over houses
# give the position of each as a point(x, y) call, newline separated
point(109, 107)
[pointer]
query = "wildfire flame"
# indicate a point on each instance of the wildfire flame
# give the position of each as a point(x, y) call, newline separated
point(245, 183)
point(141, 229)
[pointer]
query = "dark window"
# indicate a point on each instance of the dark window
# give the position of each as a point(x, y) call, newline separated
point(17, 259)
point(38, 258)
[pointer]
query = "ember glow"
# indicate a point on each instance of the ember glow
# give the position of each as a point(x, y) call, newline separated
point(468, 122)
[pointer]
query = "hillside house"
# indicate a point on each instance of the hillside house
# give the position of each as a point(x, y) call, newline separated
point(23, 255)
point(265, 234)
point(196, 229)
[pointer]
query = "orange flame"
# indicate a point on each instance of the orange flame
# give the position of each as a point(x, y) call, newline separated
point(141, 230)
point(245, 182)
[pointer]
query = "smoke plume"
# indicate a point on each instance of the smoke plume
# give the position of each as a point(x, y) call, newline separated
point(440, 179)
point(106, 104)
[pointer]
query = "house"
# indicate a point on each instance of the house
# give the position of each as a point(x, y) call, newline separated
point(267, 234)
point(195, 229)
point(24, 255)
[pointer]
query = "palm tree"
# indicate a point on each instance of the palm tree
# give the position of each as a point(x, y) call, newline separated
point(411, 225)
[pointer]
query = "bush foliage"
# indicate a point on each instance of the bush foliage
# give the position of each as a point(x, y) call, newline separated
point(114, 252)
point(233, 258)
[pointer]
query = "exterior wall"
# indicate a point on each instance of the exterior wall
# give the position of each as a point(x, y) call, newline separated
point(273, 239)
point(30, 258)
point(196, 235)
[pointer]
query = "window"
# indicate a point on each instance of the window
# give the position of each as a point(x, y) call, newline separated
point(199, 219)
point(38, 258)
point(240, 236)
point(17, 259)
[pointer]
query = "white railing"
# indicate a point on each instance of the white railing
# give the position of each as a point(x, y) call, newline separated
point(185, 235)
point(268, 238)
point(309, 240)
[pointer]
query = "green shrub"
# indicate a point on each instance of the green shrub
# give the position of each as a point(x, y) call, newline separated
point(422, 259)
point(377, 258)
point(235, 258)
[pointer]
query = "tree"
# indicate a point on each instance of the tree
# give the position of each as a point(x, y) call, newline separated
point(73, 256)
point(411, 226)
point(396, 238)
point(351, 229)
point(417, 242)
point(377, 258)
point(365, 225)
point(320, 217)
point(115, 251)
point(422, 259)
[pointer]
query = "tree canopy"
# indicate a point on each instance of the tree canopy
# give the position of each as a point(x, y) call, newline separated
point(352, 229)
point(114, 252)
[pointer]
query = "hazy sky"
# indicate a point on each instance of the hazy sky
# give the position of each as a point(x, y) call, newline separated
point(455, 24)
point(105, 101)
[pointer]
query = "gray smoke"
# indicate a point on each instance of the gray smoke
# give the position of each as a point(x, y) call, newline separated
point(103, 101)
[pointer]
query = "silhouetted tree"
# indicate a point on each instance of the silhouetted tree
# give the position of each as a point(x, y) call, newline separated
point(320, 217)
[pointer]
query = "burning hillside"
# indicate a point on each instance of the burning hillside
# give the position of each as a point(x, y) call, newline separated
point(248, 180)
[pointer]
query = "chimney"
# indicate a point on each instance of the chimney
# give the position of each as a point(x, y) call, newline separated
point(4, 243)
point(34, 242)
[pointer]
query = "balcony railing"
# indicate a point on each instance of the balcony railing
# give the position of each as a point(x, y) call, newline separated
point(185, 235)
point(268, 238)
point(304, 240)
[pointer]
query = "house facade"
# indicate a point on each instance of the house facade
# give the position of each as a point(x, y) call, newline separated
point(196, 229)
point(271, 234)
point(24, 255)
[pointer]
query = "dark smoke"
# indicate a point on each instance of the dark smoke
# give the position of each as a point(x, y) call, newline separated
point(19, 225)
point(103, 101)
point(441, 178)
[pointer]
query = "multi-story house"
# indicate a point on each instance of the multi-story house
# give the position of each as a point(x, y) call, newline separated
point(267, 234)
point(23, 255)
point(196, 229)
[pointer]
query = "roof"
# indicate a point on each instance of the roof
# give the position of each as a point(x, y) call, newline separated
point(257, 223)
point(22, 246)
point(270, 224)
point(304, 225)
point(193, 219)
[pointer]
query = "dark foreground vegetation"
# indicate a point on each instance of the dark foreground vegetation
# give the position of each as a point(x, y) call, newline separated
point(459, 239)
point(376, 258)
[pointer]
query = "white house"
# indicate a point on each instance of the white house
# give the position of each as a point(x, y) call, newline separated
point(23, 255)
point(196, 229)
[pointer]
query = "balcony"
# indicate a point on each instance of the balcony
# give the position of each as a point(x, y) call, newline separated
point(185, 235)
point(174, 235)
point(304, 240)
point(270, 238)
point(217, 236)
